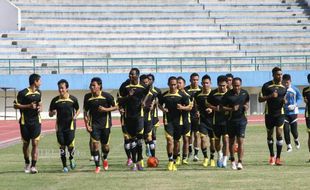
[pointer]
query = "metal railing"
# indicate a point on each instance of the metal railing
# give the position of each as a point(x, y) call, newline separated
point(163, 64)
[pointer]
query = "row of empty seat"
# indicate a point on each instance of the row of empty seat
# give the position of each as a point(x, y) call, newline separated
point(158, 28)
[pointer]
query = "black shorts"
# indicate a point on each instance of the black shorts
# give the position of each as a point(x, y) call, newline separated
point(148, 126)
point(66, 138)
point(237, 129)
point(290, 118)
point(29, 132)
point(173, 130)
point(205, 128)
point(186, 129)
point(134, 127)
point(220, 130)
point(272, 121)
point(308, 123)
point(194, 124)
point(100, 135)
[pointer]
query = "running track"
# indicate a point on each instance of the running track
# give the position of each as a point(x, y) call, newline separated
point(10, 134)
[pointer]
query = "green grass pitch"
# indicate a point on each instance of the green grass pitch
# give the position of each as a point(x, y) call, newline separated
point(257, 174)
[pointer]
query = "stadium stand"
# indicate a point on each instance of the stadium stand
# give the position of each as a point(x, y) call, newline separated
point(157, 28)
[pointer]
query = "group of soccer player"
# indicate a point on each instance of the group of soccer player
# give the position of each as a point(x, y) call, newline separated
point(200, 116)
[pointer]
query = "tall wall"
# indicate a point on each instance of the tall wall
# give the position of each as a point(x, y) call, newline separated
point(9, 16)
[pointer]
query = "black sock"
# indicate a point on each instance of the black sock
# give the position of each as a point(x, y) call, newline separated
point(170, 157)
point(71, 153)
point(127, 148)
point(204, 152)
point(33, 163)
point(196, 149)
point(96, 158)
point(63, 157)
point(174, 157)
point(152, 148)
point(279, 146)
point(232, 158)
point(133, 150)
point(140, 150)
point(27, 161)
point(190, 149)
point(270, 146)
point(105, 154)
point(184, 156)
point(212, 154)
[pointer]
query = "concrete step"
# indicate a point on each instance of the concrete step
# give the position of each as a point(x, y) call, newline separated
point(116, 41)
point(121, 48)
point(53, 54)
point(145, 20)
point(46, 34)
point(272, 39)
point(116, 27)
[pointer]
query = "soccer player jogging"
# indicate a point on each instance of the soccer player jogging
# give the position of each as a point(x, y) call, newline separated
point(273, 93)
point(98, 106)
point(186, 127)
point(306, 95)
point(148, 104)
point(154, 111)
point(192, 89)
point(172, 102)
point(219, 122)
point(122, 118)
point(205, 115)
point(293, 98)
point(131, 100)
point(29, 103)
point(236, 101)
point(66, 107)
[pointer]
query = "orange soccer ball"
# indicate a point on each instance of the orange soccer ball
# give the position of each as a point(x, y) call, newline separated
point(152, 162)
point(236, 147)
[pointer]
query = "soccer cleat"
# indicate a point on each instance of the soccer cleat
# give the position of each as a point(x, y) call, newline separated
point(205, 162)
point(72, 164)
point(129, 162)
point(142, 163)
point(278, 162)
point(233, 165)
point(212, 163)
point(140, 167)
point(65, 170)
point(174, 168)
point(97, 170)
point(289, 148)
point(27, 168)
point(185, 161)
point(170, 166)
point(272, 160)
point(219, 163)
point(33, 170)
point(239, 166)
point(195, 159)
point(134, 167)
point(105, 165)
point(178, 161)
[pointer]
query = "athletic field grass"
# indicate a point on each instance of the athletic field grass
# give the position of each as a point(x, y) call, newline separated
point(257, 174)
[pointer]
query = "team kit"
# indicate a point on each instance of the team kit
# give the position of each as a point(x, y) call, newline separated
point(195, 118)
